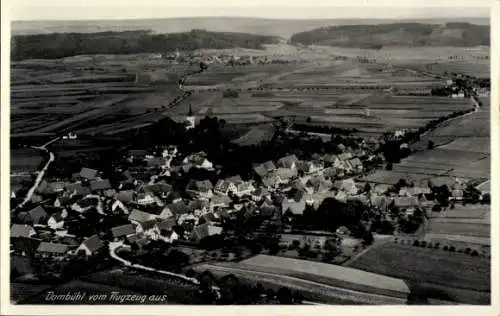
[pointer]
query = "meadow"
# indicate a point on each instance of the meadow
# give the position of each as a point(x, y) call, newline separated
point(426, 265)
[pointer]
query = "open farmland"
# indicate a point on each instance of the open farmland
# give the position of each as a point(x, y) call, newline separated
point(75, 93)
point(450, 272)
point(317, 279)
point(465, 224)
point(465, 138)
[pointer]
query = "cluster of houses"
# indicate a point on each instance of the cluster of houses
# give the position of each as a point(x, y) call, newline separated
point(151, 210)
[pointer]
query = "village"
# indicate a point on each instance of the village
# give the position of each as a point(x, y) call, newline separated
point(314, 209)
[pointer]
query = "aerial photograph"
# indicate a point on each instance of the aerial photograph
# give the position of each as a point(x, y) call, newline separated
point(237, 158)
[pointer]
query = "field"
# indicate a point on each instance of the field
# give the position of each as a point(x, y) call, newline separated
point(466, 139)
point(317, 281)
point(82, 92)
point(429, 266)
point(465, 225)
point(25, 160)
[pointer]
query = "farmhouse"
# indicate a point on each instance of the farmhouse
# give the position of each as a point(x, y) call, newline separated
point(225, 186)
point(264, 169)
point(288, 162)
point(37, 215)
point(122, 231)
point(173, 210)
point(97, 186)
point(202, 189)
point(198, 160)
point(137, 217)
point(205, 230)
point(89, 174)
point(21, 231)
point(91, 246)
point(56, 221)
point(54, 250)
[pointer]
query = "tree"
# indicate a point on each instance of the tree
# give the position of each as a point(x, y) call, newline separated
point(284, 295)
point(388, 166)
point(430, 145)
point(367, 238)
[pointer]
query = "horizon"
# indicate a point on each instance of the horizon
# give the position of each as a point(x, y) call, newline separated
point(115, 13)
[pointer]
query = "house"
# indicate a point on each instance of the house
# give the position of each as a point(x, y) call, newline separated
point(224, 186)
point(348, 186)
point(345, 156)
point(57, 186)
point(164, 231)
point(286, 174)
point(318, 184)
point(119, 207)
point(356, 164)
point(260, 193)
point(89, 174)
point(405, 202)
point(145, 199)
point(484, 187)
point(244, 188)
point(205, 230)
point(145, 227)
point(198, 207)
point(201, 189)
point(91, 246)
point(331, 173)
point(198, 160)
point(158, 189)
point(413, 191)
point(137, 217)
point(293, 206)
point(125, 196)
point(308, 167)
point(56, 221)
point(331, 160)
point(288, 162)
point(38, 215)
point(48, 249)
point(207, 218)
point(457, 195)
point(100, 185)
point(122, 231)
point(271, 181)
point(173, 210)
point(21, 231)
point(44, 188)
point(264, 169)
point(76, 190)
point(220, 201)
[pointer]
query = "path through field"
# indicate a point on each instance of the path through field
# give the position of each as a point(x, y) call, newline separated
point(40, 175)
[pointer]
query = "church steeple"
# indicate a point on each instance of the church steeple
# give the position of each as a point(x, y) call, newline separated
point(190, 112)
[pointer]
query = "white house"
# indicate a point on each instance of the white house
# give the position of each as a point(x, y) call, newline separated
point(91, 245)
point(145, 199)
point(56, 221)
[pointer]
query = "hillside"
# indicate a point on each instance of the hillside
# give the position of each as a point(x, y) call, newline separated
point(399, 34)
point(58, 45)
point(275, 27)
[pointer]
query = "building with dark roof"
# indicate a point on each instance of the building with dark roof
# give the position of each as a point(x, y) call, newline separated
point(89, 174)
point(122, 231)
point(21, 231)
point(91, 245)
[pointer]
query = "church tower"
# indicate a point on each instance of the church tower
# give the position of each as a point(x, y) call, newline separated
point(190, 119)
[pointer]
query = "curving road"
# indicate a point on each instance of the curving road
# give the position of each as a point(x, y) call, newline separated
point(40, 175)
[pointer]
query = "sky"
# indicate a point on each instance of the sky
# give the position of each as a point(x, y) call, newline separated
point(291, 9)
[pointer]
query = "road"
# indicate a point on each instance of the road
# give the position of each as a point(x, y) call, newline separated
point(40, 174)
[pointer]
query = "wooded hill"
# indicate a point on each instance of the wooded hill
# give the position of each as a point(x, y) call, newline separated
point(398, 34)
point(58, 45)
